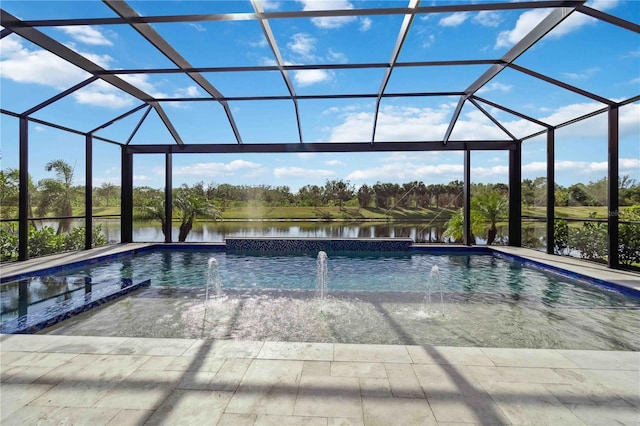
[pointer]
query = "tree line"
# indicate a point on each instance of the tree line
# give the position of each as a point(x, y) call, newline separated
point(58, 197)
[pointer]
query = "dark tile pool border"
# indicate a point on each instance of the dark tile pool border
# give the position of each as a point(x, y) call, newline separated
point(606, 285)
point(32, 323)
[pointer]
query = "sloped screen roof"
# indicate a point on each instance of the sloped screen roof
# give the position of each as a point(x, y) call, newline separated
point(273, 72)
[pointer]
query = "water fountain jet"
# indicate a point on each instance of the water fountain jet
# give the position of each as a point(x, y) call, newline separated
point(434, 277)
point(321, 274)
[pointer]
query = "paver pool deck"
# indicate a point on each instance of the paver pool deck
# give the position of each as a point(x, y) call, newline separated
point(91, 380)
point(52, 379)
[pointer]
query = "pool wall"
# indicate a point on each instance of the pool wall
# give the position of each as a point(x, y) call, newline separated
point(305, 245)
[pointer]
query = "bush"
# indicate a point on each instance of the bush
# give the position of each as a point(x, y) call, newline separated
point(44, 241)
point(8, 243)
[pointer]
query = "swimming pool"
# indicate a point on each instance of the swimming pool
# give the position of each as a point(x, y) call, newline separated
point(481, 298)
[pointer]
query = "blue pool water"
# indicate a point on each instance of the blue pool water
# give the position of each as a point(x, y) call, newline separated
point(479, 299)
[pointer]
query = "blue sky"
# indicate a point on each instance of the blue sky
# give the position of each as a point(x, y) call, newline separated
point(595, 56)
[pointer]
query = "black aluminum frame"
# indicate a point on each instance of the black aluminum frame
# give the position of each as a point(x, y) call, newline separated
point(27, 29)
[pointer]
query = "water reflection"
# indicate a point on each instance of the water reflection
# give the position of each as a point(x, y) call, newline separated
point(35, 294)
point(427, 232)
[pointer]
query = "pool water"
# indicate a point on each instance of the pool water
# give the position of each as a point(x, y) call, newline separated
point(393, 298)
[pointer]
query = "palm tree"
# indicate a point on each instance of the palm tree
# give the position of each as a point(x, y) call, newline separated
point(58, 194)
point(190, 204)
point(491, 206)
point(153, 209)
point(455, 226)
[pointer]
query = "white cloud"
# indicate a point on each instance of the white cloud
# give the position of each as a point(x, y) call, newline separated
point(633, 54)
point(365, 24)
point(626, 166)
point(86, 34)
point(190, 91)
point(529, 19)
point(302, 44)
point(99, 181)
point(299, 172)
point(403, 171)
point(526, 22)
point(495, 87)
point(270, 4)
point(487, 18)
point(217, 170)
point(406, 168)
point(38, 66)
point(329, 22)
point(495, 160)
point(414, 124)
point(198, 27)
point(334, 163)
point(428, 41)
point(104, 98)
point(454, 19)
point(338, 57)
point(260, 43)
point(40, 129)
point(309, 77)
point(269, 62)
point(306, 155)
point(584, 75)
point(141, 178)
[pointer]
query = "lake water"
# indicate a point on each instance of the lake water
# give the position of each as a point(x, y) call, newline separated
point(427, 232)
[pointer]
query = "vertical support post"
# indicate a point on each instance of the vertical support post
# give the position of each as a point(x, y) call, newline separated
point(551, 189)
point(466, 204)
point(515, 195)
point(612, 193)
point(88, 192)
point(168, 199)
point(23, 193)
point(126, 195)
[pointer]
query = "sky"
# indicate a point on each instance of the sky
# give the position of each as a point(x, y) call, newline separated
point(595, 56)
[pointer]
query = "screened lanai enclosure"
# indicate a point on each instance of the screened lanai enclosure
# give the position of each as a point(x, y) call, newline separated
point(536, 101)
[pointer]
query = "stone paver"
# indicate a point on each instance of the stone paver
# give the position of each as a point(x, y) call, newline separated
point(297, 351)
point(113, 381)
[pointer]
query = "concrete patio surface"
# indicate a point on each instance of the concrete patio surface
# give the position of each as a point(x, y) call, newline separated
point(84, 380)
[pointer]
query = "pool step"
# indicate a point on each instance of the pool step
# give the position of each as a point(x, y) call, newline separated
point(34, 322)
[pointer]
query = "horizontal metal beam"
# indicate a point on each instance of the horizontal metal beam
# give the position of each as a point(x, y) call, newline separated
point(233, 148)
point(311, 97)
point(453, 8)
point(258, 68)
